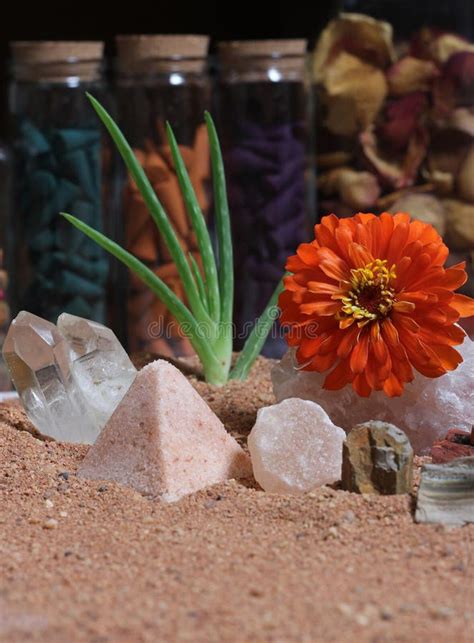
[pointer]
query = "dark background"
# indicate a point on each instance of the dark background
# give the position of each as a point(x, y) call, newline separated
point(222, 20)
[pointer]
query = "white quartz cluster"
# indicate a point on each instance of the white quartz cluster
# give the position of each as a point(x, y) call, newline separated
point(70, 377)
point(425, 411)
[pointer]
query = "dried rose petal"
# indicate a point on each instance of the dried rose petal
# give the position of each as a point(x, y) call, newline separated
point(385, 202)
point(402, 118)
point(333, 159)
point(460, 224)
point(366, 38)
point(359, 190)
point(403, 171)
point(462, 119)
point(442, 182)
point(353, 93)
point(438, 45)
point(341, 210)
point(448, 44)
point(447, 150)
point(390, 172)
point(455, 87)
point(411, 74)
point(465, 178)
point(424, 207)
point(422, 41)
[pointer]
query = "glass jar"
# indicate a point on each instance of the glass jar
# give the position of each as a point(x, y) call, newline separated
point(263, 114)
point(5, 204)
point(59, 165)
point(160, 79)
point(395, 116)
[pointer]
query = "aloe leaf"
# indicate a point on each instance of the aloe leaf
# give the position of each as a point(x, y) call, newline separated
point(163, 292)
point(223, 230)
point(156, 211)
point(256, 339)
point(199, 226)
point(199, 281)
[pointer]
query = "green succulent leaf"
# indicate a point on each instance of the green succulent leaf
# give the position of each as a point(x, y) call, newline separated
point(223, 230)
point(199, 226)
point(156, 211)
point(156, 285)
point(257, 337)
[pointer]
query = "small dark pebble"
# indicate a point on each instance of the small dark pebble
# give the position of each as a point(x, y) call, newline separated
point(68, 553)
point(102, 488)
point(64, 475)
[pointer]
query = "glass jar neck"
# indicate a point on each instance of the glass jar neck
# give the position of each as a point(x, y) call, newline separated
point(271, 68)
point(148, 67)
point(64, 72)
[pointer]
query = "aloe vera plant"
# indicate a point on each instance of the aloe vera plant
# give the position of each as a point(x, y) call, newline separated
point(207, 319)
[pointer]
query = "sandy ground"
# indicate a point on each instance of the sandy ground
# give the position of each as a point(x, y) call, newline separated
point(91, 561)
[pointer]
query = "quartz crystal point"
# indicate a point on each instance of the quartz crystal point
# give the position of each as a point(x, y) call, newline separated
point(295, 447)
point(100, 366)
point(425, 411)
point(38, 358)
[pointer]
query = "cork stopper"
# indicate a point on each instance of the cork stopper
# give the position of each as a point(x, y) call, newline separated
point(54, 61)
point(168, 52)
point(254, 58)
point(267, 48)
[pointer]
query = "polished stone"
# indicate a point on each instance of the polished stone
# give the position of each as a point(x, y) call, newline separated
point(295, 447)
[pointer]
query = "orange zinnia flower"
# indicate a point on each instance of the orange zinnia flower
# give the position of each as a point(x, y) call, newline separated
point(370, 300)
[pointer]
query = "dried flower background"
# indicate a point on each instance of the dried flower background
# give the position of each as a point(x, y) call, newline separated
point(369, 301)
point(396, 126)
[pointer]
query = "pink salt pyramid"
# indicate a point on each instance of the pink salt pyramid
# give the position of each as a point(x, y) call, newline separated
point(164, 440)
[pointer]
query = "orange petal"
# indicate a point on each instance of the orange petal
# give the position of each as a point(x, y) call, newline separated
point(360, 354)
point(324, 288)
point(451, 336)
point(390, 333)
point(404, 306)
point(347, 342)
point(449, 358)
point(361, 385)
point(322, 363)
point(359, 255)
point(397, 243)
point(338, 377)
point(320, 308)
point(463, 304)
point(308, 347)
point(404, 322)
point(294, 263)
point(308, 254)
point(392, 386)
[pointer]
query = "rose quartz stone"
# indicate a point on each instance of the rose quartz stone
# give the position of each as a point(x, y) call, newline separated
point(164, 440)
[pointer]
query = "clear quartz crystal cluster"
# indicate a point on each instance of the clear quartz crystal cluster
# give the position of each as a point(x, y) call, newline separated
point(425, 411)
point(70, 377)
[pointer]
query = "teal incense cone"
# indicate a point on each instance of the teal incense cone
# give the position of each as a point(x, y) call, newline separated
point(60, 170)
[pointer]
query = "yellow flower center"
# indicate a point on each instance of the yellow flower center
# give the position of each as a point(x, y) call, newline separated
point(371, 295)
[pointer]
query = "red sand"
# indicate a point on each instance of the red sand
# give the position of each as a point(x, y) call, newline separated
point(96, 562)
